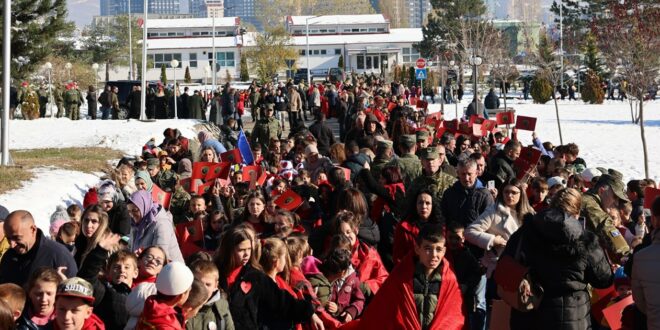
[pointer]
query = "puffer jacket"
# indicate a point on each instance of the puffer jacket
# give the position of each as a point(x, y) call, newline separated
point(646, 282)
point(563, 258)
point(497, 220)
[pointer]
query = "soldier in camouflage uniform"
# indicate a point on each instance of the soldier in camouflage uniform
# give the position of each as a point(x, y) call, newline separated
point(267, 128)
point(165, 179)
point(606, 194)
point(384, 154)
point(410, 165)
point(432, 178)
point(72, 102)
point(422, 141)
point(58, 95)
point(43, 100)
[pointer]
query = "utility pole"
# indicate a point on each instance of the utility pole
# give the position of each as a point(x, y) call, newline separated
point(6, 73)
point(143, 93)
point(130, 43)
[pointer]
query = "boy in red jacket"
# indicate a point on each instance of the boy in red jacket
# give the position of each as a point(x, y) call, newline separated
point(73, 306)
point(163, 310)
point(421, 293)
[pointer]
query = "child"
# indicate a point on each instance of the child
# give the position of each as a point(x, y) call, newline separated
point(216, 223)
point(57, 219)
point(413, 297)
point(14, 296)
point(150, 263)
point(346, 300)
point(75, 212)
point(467, 268)
point(215, 308)
point(275, 262)
point(67, 234)
point(163, 310)
point(537, 193)
point(287, 223)
point(196, 298)
point(41, 290)
point(73, 306)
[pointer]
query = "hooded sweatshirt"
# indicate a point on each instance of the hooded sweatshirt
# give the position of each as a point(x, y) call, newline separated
point(157, 315)
point(91, 323)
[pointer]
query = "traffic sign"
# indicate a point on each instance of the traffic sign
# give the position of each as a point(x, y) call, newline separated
point(420, 63)
point(420, 74)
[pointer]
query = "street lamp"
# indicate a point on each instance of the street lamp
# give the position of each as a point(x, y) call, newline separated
point(384, 69)
point(49, 67)
point(68, 70)
point(174, 63)
point(475, 61)
point(95, 67)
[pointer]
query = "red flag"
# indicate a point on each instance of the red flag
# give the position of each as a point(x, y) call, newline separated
point(190, 231)
point(200, 170)
point(505, 118)
point(613, 312)
point(251, 174)
point(218, 170)
point(451, 125)
point(439, 131)
point(233, 156)
point(289, 200)
point(421, 104)
point(477, 130)
point(600, 300)
point(650, 194)
point(474, 119)
point(526, 123)
point(391, 106)
point(202, 189)
point(531, 155)
point(488, 125)
point(464, 128)
point(522, 167)
point(161, 197)
point(413, 101)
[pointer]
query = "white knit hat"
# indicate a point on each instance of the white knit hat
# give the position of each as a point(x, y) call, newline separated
point(175, 279)
point(589, 174)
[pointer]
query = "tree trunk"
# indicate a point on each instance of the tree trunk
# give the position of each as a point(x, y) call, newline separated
point(504, 96)
point(561, 140)
point(641, 129)
point(107, 73)
point(632, 113)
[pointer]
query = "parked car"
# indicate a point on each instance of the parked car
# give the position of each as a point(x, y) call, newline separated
point(301, 75)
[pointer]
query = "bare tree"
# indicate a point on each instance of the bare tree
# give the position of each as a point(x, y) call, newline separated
point(630, 37)
point(501, 65)
point(547, 60)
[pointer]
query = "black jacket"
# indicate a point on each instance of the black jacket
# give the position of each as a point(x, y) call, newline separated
point(16, 268)
point(119, 221)
point(492, 101)
point(563, 258)
point(464, 205)
point(256, 302)
point(109, 299)
point(500, 169)
point(324, 137)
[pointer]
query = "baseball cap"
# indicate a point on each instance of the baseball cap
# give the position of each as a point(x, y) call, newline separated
point(76, 287)
point(616, 185)
point(152, 163)
point(589, 174)
point(430, 153)
point(174, 279)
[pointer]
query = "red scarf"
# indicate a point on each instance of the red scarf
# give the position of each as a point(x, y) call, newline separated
point(232, 276)
point(394, 306)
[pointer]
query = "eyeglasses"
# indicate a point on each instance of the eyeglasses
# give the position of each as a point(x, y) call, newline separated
point(154, 260)
point(511, 192)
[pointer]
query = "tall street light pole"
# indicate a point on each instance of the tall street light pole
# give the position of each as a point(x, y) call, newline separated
point(213, 65)
point(49, 68)
point(130, 43)
point(561, 43)
point(6, 73)
point(309, 72)
point(174, 63)
point(143, 93)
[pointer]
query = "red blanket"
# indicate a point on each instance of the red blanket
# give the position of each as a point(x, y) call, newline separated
point(394, 306)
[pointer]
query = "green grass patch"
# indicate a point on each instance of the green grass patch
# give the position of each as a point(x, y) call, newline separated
point(88, 160)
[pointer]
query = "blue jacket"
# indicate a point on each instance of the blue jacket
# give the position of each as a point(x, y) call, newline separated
point(216, 145)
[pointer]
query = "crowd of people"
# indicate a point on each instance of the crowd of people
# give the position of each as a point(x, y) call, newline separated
point(402, 221)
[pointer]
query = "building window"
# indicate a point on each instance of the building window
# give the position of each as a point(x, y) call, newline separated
point(381, 29)
point(324, 52)
point(302, 52)
point(337, 51)
point(192, 57)
point(164, 59)
point(225, 59)
point(410, 55)
point(360, 62)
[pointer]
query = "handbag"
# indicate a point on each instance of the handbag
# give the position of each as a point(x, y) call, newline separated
point(515, 286)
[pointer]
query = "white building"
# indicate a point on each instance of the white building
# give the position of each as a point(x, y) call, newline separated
point(366, 42)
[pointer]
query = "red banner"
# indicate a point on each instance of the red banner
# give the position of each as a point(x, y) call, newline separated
point(161, 197)
point(233, 156)
point(505, 118)
point(526, 123)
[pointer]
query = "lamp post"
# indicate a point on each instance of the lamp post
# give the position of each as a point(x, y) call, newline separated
point(213, 54)
point(384, 69)
point(68, 67)
point(561, 43)
point(174, 63)
point(207, 70)
point(143, 74)
point(456, 101)
point(49, 67)
point(130, 44)
point(475, 61)
point(309, 72)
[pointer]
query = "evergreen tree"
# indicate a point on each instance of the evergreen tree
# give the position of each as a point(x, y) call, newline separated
point(545, 50)
point(35, 27)
point(340, 62)
point(592, 59)
point(186, 77)
point(592, 91)
point(444, 24)
point(163, 74)
point(245, 74)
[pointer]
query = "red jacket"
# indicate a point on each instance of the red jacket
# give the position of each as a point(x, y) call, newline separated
point(349, 297)
point(157, 316)
point(366, 262)
point(404, 240)
point(91, 323)
point(394, 306)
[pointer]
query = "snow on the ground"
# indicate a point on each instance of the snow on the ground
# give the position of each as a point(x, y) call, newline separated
point(605, 133)
point(50, 187)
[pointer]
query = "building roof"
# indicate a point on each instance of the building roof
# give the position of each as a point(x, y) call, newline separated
point(337, 19)
point(192, 22)
point(395, 36)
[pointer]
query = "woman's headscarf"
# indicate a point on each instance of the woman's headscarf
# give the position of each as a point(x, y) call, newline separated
point(143, 201)
point(144, 175)
point(185, 168)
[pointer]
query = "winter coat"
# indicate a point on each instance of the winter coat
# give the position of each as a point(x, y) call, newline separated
point(492, 101)
point(109, 299)
point(564, 259)
point(500, 169)
point(157, 315)
point(215, 144)
point(324, 137)
point(347, 295)
point(16, 268)
point(476, 110)
point(370, 269)
point(295, 102)
point(158, 232)
point(215, 311)
point(135, 302)
point(646, 282)
point(464, 205)
point(25, 323)
point(196, 107)
point(255, 301)
point(495, 221)
point(355, 163)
